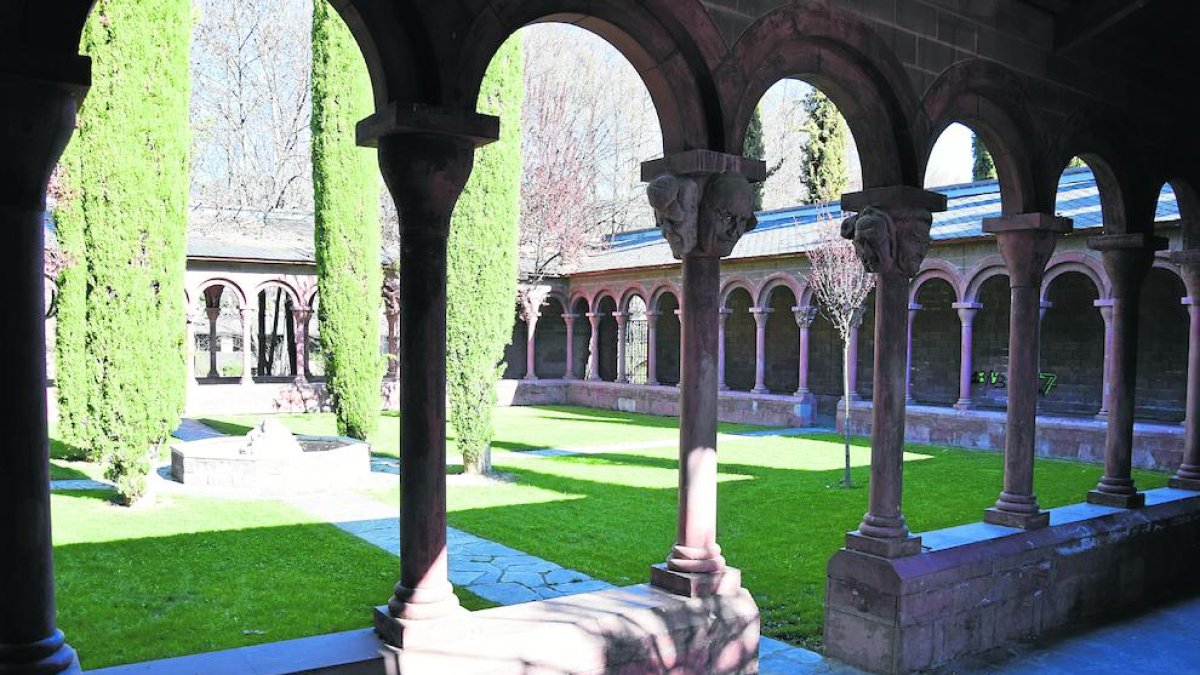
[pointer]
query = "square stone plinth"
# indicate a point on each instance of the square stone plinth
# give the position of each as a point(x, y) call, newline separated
point(1184, 484)
point(884, 548)
point(1134, 501)
point(413, 633)
point(1022, 521)
point(689, 585)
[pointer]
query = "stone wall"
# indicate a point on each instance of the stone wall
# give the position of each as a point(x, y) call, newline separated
point(935, 345)
point(1072, 345)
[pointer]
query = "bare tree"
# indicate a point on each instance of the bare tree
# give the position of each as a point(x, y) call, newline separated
point(840, 284)
point(251, 70)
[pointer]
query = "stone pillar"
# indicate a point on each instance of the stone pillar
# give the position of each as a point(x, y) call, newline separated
point(622, 319)
point(36, 122)
point(1026, 241)
point(593, 362)
point(248, 316)
point(703, 203)
point(569, 320)
point(804, 319)
point(190, 345)
point(852, 355)
point(723, 314)
point(531, 321)
point(891, 235)
point(966, 318)
point(652, 347)
point(425, 154)
point(300, 317)
point(213, 313)
point(1127, 259)
point(1105, 306)
point(761, 315)
point(1188, 475)
point(913, 308)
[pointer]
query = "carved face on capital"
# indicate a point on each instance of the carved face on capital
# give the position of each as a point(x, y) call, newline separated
point(728, 211)
point(675, 201)
point(888, 244)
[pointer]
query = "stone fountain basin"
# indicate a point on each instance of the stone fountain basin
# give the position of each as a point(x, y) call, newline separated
point(327, 462)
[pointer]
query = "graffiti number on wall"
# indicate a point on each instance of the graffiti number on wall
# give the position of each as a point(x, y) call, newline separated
point(998, 379)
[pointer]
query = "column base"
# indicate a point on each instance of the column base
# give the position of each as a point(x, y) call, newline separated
point(721, 387)
point(964, 404)
point(1102, 416)
point(694, 584)
point(569, 376)
point(1178, 483)
point(45, 657)
point(760, 390)
point(898, 547)
point(1135, 500)
point(1022, 521)
point(401, 633)
point(528, 378)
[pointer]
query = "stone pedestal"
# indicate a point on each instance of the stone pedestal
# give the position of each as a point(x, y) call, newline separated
point(761, 316)
point(966, 317)
point(1188, 475)
point(804, 320)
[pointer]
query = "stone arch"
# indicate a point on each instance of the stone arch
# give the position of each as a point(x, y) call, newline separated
point(576, 296)
point(656, 296)
point(1093, 137)
point(1187, 200)
point(988, 99)
point(606, 326)
point(598, 297)
point(562, 300)
point(985, 269)
point(782, 358)
point(739, 337)
point(840, 54)
point(1072, 341)
point(666, 301)
point(673, 51)
point(732, 284)
point(1081, 263)
point(550, 340)
point(768, 286)
point(989, 349)
point(933, 372)
point(311, 298)
point(936, 269)
point(221, 281)
point(581, 335)
point(633, 291)
point(289, 289)
point(1163, 331)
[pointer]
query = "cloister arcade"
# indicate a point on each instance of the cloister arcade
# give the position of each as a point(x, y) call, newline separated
point(1041, 81)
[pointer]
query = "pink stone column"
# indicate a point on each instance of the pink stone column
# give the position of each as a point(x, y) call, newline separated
point(36, 122)
point(1105, 306)
point(804, 320)
point(898, 214)
point(569, 320)
point(593, 362)
point(300, 317)
point(1026, 241)
point(761, 315)
point(426, 157)
point(213, 314)
point(248, 316)
point(913, 308)
point(724, 316)
point(704, 203)
point(531, 321)
point(966, 352)
point(190, 346)
point(1127, 260)
point(1188, 475)
point(621, 318)
point(652, 348)
point(852, 357)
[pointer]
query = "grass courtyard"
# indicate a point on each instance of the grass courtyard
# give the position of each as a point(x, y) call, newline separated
point(211, 573)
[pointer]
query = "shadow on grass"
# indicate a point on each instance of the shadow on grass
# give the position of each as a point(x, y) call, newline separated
point(227, 428)
point(62, 450)
point(59, 470)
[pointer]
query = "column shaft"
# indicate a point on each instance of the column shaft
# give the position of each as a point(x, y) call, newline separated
point(593, 362)
point(652, 348)
point(300, 319)
point(1188, 476)
point(530, 346)
point(913, 308)
point(213, 344)
point(247, 333)
point(1105, 307)
point(724, 316)
point(966, 352)
point(760, 349)
point(622, 320)
point(569, 320)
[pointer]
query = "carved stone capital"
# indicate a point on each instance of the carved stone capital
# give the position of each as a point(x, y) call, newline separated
point(34, 130)
point(805, 316)
point(890, 230)
point(702, 200)
point(1027, 241)
point(1127, 259)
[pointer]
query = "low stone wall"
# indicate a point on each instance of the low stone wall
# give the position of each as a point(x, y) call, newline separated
point(234, 398)
point(1156, 446)
point(979, 586)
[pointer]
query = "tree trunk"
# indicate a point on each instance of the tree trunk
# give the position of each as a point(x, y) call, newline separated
point(262, 334)
point(289, 325)
point(846, 403)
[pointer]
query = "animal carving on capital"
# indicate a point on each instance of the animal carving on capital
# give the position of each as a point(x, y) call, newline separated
point(711, 223)
point(888, 245)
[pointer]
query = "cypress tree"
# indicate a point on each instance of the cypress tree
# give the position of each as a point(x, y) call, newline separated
point(123, 219)
point(755, 148)
point(824, 169)
point(984, 167)
point(346, 204)
point(482, 264)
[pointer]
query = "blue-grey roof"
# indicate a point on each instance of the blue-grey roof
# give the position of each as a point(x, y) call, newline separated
point(794, 230)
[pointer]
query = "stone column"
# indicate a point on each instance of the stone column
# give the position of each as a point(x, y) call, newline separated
point(248, 316)
point(531, 321)
point(36, 121)
point(966, 354)
point(300, 317)
point(761, 315)
point(1127, 259)
point(213, 314)
point(804, 319)
point(622, 319)
point(652, 347)
point(1026, 241)
point(723, 314)
point(891, 235)
point(913, 308)
point(393, 340)
point(703, 202)
point(425, 154)
point(1105, 306)
point(852, 355)
point(190, 345)
point(569, 320)
point(593, 362)
point(1188, 475)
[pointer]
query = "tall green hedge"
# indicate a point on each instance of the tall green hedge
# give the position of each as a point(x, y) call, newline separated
point(123, 219)
point(482, 264)
point(346, 200)
point(823, 170)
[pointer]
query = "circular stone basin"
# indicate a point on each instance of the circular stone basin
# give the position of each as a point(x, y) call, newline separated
point(325, 462)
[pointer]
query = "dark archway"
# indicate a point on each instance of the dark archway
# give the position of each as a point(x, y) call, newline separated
point(666, 348)
point(989, 350)
point(581, 339)
point(607, 346)
point(1072, 347)
point(517, 349)
point(782, 359)
point(1162, 348)
point(550, 342)
point(936, 355)
point(739, 341)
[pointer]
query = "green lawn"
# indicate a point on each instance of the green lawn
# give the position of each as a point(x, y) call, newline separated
point(193, 574)
point(781, 512)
